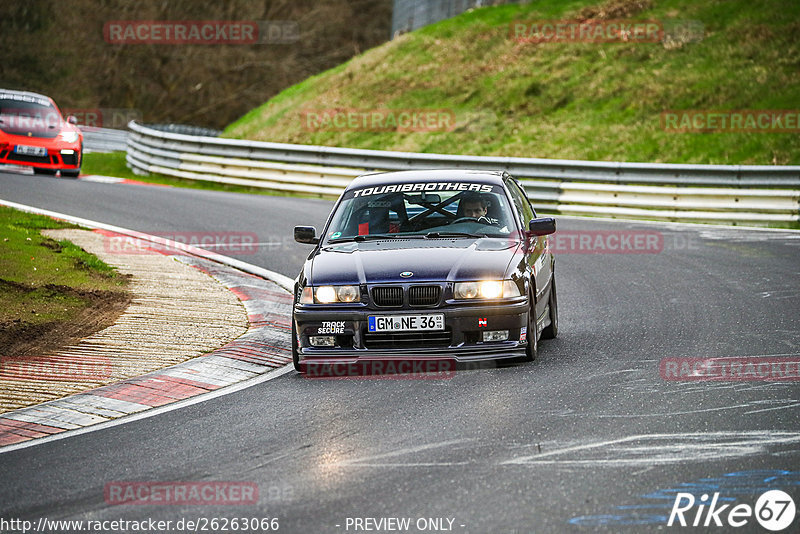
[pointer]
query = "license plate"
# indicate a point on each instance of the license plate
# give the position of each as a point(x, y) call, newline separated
point(405, 323)
point(26, 150)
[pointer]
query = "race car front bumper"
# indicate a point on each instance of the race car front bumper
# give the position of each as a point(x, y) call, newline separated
point(462, 340)
point(58, 156)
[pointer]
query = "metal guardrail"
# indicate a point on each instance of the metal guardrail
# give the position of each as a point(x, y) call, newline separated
point(186, 130)
point(408, 15)
point(723, 193)
point(104, 139)
point(111, 140)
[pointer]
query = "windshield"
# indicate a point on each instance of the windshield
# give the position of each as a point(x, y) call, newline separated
point(422, 210)
point(21, 114)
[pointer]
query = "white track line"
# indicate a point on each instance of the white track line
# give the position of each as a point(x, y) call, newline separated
point(152, 412)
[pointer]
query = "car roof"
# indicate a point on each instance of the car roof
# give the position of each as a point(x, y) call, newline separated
point(26, 93)
point(433, 175)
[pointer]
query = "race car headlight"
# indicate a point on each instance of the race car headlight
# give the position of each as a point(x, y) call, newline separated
point(466, 290)
point(326, 294)
point(347, 293)
point(486, 289)
point(491, 289)
point(307, 296)
point(68, 136)
point(331, 294)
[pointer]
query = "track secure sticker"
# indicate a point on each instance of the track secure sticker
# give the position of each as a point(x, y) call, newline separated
point(331, 327)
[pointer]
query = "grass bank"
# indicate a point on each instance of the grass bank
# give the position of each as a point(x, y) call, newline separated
point(586, 101)
point(50, 291)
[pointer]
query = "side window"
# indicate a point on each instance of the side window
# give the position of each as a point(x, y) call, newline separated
point(520, 202)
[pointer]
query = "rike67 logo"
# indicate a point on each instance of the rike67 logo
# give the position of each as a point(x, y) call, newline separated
point(774, 510)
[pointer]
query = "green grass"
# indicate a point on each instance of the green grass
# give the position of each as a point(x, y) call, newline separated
point(43, 280)
point(576, 101)
point(107, 164)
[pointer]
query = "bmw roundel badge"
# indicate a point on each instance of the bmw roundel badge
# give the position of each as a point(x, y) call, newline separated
point(406, 274)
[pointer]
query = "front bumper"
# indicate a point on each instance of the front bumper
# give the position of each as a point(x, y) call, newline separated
point(59, 155)
point(461, 342)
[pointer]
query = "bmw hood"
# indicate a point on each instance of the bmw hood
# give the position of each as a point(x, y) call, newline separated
point(425, 259)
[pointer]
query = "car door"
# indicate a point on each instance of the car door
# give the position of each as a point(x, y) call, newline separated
point(538, 258)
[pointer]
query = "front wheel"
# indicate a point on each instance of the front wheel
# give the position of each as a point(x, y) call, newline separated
point(295, 351)
point(532, 350)
point(70, 173)
point(552, 329)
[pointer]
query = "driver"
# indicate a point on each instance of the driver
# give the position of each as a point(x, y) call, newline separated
point(475, 206)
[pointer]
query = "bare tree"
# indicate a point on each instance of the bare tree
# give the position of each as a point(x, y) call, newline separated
point(62, 53)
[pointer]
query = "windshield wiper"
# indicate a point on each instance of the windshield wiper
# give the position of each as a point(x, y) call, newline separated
point(372, 237)
point(433, 235)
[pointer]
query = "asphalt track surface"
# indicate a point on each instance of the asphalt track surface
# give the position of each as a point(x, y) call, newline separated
point(589, 437)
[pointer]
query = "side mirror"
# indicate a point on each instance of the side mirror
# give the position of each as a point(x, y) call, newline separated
point(542, 226)
point(72, 119)
point(306, 234)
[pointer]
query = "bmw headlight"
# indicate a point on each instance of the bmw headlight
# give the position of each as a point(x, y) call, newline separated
point(486, 289)
point(330, 294)
point(68, 136)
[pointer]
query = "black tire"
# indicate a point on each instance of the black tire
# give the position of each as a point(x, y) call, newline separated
point(295, 353)
point(48, 172)
point(532, 350)
point(551, 331)
point(70, 173)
